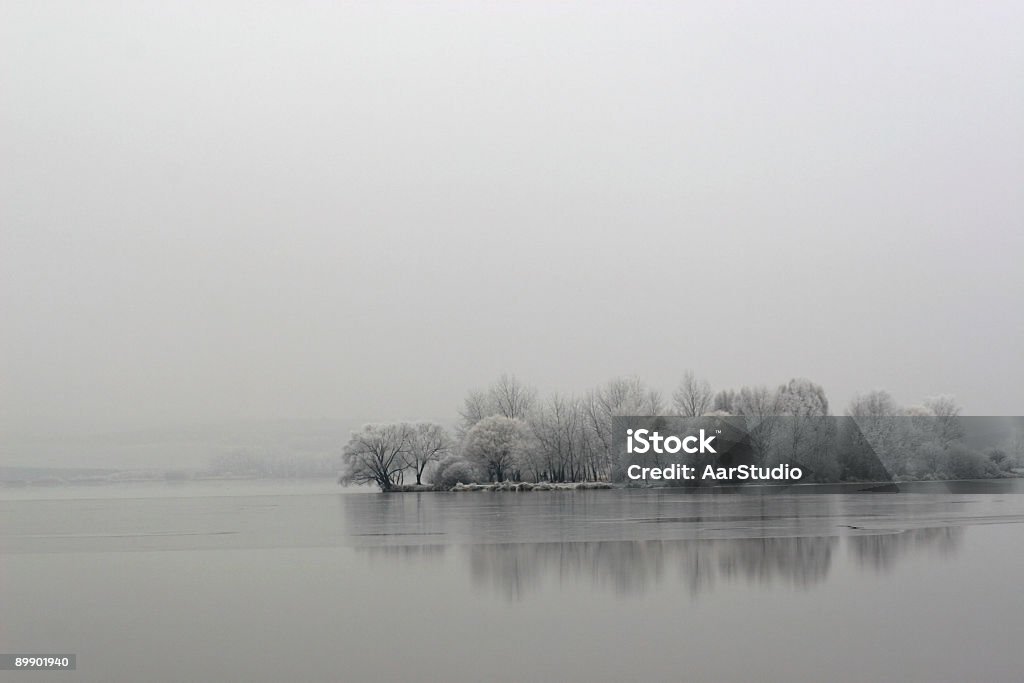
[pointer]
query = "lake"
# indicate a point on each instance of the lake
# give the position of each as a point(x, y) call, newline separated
point(301, 581)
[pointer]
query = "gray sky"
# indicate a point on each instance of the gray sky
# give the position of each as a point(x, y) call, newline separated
point(222, 211)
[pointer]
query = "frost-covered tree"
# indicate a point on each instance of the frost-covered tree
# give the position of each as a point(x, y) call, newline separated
point(507, 397)
point(805, 436)
point(757, 402)
point(511, 398)
point(562, 448)
point(760, 408)
point(876, 413)
point(376, 453)
point(693, 397)
point(428, 443)
point(475, 407)
point(497, 445)
point(874, 404)
point(803, 398)
point(725, 401)
point(455, 469)
point(1015, 444)
point(947, 418)
point(877, 416)
point(617, 397)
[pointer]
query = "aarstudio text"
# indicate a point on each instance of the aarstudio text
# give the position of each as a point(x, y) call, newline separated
point(737, 473)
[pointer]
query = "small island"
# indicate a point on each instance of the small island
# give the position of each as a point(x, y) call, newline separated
point(510, 441)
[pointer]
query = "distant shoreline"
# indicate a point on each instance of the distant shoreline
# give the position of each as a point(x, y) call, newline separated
point(923, 486)
point(40, 478)
point(504, 486)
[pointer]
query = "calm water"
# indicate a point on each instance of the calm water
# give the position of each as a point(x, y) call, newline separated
point(252, 581)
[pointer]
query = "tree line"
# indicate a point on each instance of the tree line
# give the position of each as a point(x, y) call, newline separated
point(508, 432)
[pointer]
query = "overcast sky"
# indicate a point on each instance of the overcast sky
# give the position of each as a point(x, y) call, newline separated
point(218, 211)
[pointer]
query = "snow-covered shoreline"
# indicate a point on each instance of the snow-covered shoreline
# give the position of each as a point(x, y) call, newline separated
point(505, 486)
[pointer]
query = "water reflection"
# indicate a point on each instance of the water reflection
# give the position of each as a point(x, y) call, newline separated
point(633, 567)
point(882, 551)
point(513, 545)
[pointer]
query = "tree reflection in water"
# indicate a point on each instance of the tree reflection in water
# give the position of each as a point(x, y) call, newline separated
point(883, 551)
point(771, 550)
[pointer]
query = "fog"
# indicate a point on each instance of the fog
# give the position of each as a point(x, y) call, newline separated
point(229, 212)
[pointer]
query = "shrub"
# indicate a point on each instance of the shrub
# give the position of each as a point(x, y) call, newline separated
point(999, 458)
point(455, 469)
point(963, 463)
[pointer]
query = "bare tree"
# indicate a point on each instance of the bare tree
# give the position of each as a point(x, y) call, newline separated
point(876, 415)
point(760, 407)
point(507, 397)
point(803, 398)
point(1015, 444)
point(561, 449)
point(874, 404)
point(617, 397)
point(757, 402)
point(376, 453)
point(428, 443)
point(724, 402)
point(805, 434)
point(511, 398)
point(694, 397)
point(475, 408)
point(947, 414)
